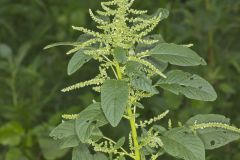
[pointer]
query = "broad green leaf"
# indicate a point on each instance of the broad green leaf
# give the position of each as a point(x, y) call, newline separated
point(96, 134)
point(217, 137)
point(61, 44)
point(133, 68)
point(65, 129)
point(213, 137)
point(11, 134)
point(120, 55)
point(70, 141)
point(5, 51)
point(143, 83)
point(160, 65)
point(77, 61)
point(50, 148)
point(181, 143)
point(81, 153)
point(83, 129)
point(177, 55)
point(190, 85)
point(94, 113)
point(119, 143)
point(159, 129)
point(99, 156)
point(114, 97)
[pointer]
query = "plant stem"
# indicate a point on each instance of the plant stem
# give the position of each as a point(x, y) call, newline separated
point(134, 133)
point(119, 74)
point(132, 121)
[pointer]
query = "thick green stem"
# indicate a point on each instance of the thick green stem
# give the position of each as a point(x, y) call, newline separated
point(134, 133)
point(132, 122)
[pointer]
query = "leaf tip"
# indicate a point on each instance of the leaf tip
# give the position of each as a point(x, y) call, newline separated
point(46, 47)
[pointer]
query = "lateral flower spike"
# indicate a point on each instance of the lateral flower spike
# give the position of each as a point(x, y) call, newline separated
point(70, 116)
point(147, 64)
point(87, 31)
point(152, 120)
point(83, 84)
point(215, 125)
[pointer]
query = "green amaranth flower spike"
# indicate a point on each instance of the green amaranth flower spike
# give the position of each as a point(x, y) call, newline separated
point(145, 123)
point(128, 28)
point(215, 125)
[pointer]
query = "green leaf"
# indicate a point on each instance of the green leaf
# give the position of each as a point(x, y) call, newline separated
point(99, 156)
point(119, 143)
point(160, 65)
point(81, 153)
point(114, 97)
point(94, 113)
point(190, 85)
point(177, 55)
point(68, 142)
point(96, 134)
point(11, 134)
point(159, 129)
point(83, 129)
point(63, 130)
point(77, 61)
point(181, 143)
point(120, 55)
point(133, 68)
point(5, 51)
point(61, 44)
point(213, 137)
point(143, 83)
point(50, 148)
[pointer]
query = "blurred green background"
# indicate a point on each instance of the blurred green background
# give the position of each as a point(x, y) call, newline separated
point(31, 78)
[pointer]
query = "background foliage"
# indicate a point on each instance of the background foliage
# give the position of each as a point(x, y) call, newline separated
point(30, 78)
